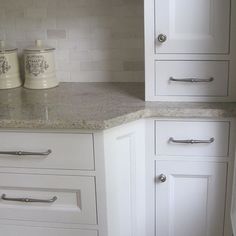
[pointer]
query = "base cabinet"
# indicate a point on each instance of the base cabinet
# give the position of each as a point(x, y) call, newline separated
point(73, 184)
point(190, 198)
point(154, 177)
point(189, 176)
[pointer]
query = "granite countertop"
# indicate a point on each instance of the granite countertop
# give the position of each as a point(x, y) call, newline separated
point(95, 106)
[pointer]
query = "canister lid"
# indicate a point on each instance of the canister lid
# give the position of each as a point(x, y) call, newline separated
point(6, 48)
point(39, 47)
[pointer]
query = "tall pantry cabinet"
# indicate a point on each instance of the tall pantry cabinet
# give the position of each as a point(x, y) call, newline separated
point(190, 56)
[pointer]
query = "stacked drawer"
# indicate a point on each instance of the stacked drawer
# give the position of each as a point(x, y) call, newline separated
point(192, 138)
point(50, 198)
point(192, 78)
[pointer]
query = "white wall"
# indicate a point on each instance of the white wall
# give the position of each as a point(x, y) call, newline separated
point(96, 40)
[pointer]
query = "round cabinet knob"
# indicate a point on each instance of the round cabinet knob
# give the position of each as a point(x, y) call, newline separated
point(162, 38)
point(162, 178)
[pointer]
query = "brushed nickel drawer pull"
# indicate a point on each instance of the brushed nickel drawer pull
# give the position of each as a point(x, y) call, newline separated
point(192, 80)
point(28, 200)
point(191, 141)
point(22, 153)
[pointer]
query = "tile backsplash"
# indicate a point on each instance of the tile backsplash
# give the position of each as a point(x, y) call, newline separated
point(96, 40)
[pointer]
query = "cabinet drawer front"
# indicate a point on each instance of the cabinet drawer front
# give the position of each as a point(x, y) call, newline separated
point(182, 138)
point(12, 230)
point(69, 151)
point(175, 78)
point(75, 198)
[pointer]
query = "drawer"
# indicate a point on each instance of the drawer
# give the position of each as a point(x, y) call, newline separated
point(58, 199)
point(174, 78)
point(12, 230)
point(173, 138)
point(69, 151)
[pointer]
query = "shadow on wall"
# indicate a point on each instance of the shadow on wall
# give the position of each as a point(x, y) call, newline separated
point(96, 40)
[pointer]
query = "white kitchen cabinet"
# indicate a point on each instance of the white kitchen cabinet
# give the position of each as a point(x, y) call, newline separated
point(191, 201)
point(192, 26)
point(189, 174)
point(190, 51)
point(122, 194)
point(91, 183)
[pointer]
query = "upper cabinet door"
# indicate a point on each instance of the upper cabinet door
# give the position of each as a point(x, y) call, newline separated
point(192, 26)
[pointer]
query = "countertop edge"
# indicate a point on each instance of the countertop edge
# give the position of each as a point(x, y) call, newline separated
point(213, 113)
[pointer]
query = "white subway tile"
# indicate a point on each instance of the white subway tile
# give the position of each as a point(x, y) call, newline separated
point(18, 35)
point(133, 65)
point(56, 34)
point(111, 65)
point(76, 55)
point(37, 13)
point(33, 35)
point(63, 76)
point(127, 76)
point(62, 55)
point(2, 34)
point(26, 24)
point(79, 33)
point(91, 76)
point(48, 23)
point(127, 11)
point(68, 44)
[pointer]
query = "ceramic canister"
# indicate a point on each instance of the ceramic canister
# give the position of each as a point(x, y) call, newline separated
point(39, 65)
point(9, 67)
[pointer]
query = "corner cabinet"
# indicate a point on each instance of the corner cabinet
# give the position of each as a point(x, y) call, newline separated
point(189, 177)
point(190, 50)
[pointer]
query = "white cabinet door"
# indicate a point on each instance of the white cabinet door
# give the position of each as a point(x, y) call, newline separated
point(192, 199)
point(192, 26)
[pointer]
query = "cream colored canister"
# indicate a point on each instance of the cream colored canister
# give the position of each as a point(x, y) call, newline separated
point(9, 67)
point(40, 67)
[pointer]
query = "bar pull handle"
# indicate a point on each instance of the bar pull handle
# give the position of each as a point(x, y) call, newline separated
point(22, 153)
point(191, 141)
point(28, 200)
point(192, 80)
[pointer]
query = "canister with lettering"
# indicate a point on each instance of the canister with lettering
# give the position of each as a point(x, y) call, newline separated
point(39, 63)
point(9, 67)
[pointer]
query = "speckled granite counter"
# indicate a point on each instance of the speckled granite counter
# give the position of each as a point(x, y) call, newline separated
point(94, 106)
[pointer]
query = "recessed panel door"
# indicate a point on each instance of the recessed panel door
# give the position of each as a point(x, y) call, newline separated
point(192, 26)
point(190, 198)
